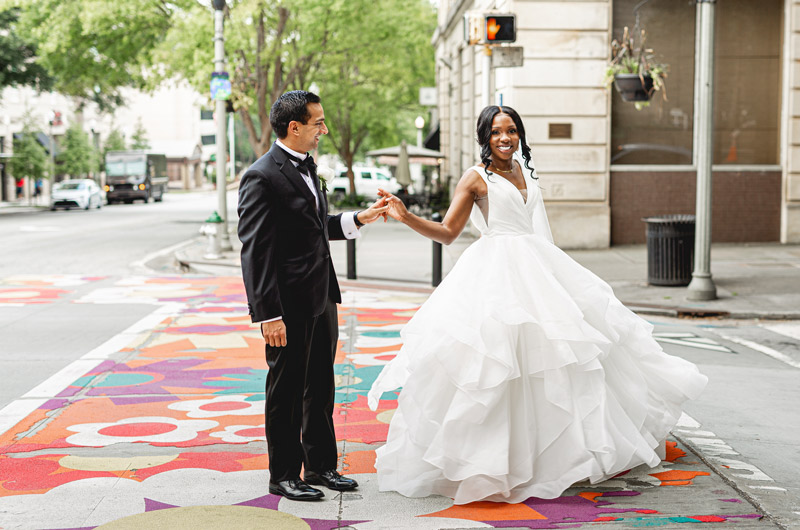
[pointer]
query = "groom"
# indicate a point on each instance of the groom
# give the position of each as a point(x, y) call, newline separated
point(292, 293)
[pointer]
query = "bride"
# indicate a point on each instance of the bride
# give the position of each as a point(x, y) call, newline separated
point(522, 374)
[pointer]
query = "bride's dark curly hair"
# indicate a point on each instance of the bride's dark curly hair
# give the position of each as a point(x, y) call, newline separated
point(484, 131)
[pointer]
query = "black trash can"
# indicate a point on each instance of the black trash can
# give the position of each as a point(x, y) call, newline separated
point(670, 249)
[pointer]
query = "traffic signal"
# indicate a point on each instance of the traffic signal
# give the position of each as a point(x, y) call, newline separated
point(500, 28)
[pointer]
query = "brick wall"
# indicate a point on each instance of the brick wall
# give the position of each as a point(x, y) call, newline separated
point(746, 205)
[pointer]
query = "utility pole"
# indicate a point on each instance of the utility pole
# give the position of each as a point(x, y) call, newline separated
point(219, 67)
point(702, 285)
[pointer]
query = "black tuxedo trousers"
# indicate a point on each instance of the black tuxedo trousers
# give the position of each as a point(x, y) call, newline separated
point(300, 397)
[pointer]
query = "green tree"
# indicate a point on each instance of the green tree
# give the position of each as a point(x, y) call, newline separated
point(139, 138)
point(18, 64)
point(94, 47)
point(114, 142)
point(271, 47)
point(370, 78)
point(30, 158)
point(77, 155)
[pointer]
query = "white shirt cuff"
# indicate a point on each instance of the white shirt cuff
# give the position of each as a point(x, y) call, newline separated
point(349, 227)
point(270, 320)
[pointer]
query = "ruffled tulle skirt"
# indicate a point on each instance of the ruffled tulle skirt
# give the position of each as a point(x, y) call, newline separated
point(522, 374)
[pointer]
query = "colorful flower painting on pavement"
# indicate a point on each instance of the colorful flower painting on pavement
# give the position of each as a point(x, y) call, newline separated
point(170, 427)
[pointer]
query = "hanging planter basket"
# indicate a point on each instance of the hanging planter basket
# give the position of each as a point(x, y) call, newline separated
point(631, 88)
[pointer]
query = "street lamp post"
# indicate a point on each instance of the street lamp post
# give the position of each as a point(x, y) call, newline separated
point(420, 123)
point(219, 66)
point(702, 285)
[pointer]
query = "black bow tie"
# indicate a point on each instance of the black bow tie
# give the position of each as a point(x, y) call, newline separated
point(306, 164)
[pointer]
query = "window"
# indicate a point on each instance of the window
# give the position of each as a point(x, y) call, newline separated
point(208, 139)
point(366, 175)
point(747, 85)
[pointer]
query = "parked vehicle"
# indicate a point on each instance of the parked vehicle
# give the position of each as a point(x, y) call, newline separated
point(367, 180)
point(132, 175)
point(76, 193)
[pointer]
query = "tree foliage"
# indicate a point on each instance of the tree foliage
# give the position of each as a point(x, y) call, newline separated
point(370, 78)
point(94, 47)
point(77, 155)
point(30, 158)
point(18, 64)
point(139, 138)
point(271, 47)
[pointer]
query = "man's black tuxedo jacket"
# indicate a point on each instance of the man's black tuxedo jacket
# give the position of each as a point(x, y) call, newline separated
point(286, 258)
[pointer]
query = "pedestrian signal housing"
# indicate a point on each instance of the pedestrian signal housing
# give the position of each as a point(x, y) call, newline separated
point(500, 28)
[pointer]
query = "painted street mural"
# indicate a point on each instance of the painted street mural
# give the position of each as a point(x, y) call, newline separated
point(164, 424)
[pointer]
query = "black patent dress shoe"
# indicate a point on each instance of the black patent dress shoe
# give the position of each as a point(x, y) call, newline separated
point(331, 480)
point(296, 490)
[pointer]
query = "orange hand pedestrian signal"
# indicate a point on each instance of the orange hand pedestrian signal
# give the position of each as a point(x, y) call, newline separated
point(500, 28)
point(491, 28)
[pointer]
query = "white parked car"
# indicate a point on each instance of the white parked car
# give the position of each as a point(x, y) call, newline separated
point(76, 193)
point(367, 180)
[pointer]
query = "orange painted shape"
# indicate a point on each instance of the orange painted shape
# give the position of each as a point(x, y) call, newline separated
point(590, 495)
point(489, 511)
point(359, 462)
point(673, 451)
point(677, 477)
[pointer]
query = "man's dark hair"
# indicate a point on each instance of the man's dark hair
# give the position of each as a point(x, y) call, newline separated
point(290, 106)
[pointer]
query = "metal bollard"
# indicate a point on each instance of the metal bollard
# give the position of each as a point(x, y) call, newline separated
point(211, 228)
point(436, 272)
point(351, 259)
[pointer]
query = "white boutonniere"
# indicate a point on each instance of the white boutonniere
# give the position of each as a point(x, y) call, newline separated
point(323, 174)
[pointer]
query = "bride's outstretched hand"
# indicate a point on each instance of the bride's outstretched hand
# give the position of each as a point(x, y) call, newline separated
point(397, 210)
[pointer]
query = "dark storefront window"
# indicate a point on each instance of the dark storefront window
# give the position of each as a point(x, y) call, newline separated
point(747, 90)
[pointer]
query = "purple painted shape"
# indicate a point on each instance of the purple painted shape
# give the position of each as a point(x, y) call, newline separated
point(744, 516)
point(330, 524)
point(140, 400)
point(53, 404)
point(731, 500)
point(176, 372)
point(269, 502)
point(567, 512)
point(72, 390)
point(151, 506)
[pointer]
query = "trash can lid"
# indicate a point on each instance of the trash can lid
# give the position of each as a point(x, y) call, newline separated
point(672, 218)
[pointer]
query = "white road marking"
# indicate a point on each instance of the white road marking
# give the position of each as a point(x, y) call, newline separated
point(720, 453)
point(19, 409)
point(690, 340)
point(775, 354)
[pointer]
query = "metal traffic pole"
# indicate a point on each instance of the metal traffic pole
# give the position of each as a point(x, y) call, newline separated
point(219, 66)
point(702, 285)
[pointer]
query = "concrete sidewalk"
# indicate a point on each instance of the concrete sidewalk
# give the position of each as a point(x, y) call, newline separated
point(162, 426)
point(753, 280)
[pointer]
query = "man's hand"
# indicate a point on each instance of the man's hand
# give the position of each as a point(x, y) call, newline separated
point(376, 210)
point(274, 333)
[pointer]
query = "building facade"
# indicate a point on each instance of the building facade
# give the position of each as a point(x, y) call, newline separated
point(604, 165)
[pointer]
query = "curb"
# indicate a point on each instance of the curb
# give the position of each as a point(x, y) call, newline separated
point(729, 480)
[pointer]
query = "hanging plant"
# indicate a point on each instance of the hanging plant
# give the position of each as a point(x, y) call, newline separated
point(634, 72)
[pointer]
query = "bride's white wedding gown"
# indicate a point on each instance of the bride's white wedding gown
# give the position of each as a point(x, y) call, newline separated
point(522, 373)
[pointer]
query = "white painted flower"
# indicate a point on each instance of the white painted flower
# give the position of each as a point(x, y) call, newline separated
point(239, 434)
point(154, 429)
point(227, 405)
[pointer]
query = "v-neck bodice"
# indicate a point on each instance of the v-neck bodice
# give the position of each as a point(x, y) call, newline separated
point(507, 212)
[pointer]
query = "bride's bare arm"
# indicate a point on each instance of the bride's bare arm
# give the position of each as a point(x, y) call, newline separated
point(469, 187)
